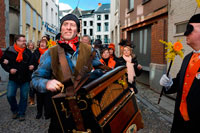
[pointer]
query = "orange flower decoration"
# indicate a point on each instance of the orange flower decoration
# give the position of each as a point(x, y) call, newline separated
point(177, 46)
point(53, 43)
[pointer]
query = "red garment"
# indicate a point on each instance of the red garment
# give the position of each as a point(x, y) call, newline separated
point(71, 43)
point(1, 53)
point(42, 51)
point(111, 63)
point(190, 74)
point(112, 46)
point(20, 52)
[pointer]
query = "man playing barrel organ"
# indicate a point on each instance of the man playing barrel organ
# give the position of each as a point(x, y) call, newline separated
point(50, 76)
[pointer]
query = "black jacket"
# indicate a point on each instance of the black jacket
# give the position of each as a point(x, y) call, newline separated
point(36, 56)
point(193, 100)
point(23, 73)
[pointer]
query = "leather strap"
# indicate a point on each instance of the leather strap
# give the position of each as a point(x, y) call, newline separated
point(64, 65)
point(76, 113)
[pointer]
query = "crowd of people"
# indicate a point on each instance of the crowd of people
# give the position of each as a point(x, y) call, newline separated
point(39, 71)
point(31, 67)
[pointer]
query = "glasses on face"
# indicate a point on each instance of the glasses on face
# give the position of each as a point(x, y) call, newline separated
point(24, 41)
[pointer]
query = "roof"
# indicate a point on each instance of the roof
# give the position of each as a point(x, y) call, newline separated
point(104, 8)
point(77, 11)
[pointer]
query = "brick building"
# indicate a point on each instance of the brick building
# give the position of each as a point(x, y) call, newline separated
point(144, 22)
point(4, 34)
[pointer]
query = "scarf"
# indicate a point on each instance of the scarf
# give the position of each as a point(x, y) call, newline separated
point(42, 51)
point(71, 43)
point(130, 68)
point(20, 53)
point(106, 61)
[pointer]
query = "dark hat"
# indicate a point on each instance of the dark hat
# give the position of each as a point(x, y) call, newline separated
point(194, 19)
point(97, 42)
point(70, 17)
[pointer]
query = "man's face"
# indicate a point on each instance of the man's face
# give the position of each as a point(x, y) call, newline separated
point(21, 42)
point(193, 38)
point(86, 40)
point(69, 30)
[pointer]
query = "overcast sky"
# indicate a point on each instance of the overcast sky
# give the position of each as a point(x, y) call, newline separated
point(83, 4)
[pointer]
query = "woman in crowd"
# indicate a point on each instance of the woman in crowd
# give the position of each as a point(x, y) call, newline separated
point(42, 98)
point(133, 68)
point(106, 60)
point(31, 47)
point(112, 51)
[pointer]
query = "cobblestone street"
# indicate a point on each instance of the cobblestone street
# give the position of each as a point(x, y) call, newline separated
point(156, 120)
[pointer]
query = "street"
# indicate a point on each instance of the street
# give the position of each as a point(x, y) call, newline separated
point(156, 119)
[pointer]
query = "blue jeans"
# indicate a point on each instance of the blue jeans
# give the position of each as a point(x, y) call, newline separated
point(11, 96)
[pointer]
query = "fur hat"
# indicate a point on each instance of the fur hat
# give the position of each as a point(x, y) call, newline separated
point(70, 17)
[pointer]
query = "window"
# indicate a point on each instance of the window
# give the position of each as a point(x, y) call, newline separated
point(27, 33)
point(116, 5)
point(47, 15)
point(56, 19)
point(181, 27)
point(34, 19)
point(105, 38)
point(106, 26)
point(98, 37)
point(84, 31)
point(91, 32)
point(28, 14)
point(33, 39)
point(142, 39)
point(98, 27)
point(130, 4)
point(91, 23)
point(98, 17)
point(106, 17)
point(39, 23)
point(52, 16)
point(85, 23)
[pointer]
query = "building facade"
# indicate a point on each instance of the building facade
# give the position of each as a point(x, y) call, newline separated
point(50, 18)
point(115, 24)
point(88, 24)
point(102, 23)
point(144, 23)
point(31, 19)
point(178, 19)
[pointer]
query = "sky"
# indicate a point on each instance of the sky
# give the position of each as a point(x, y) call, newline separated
point(83, 4)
